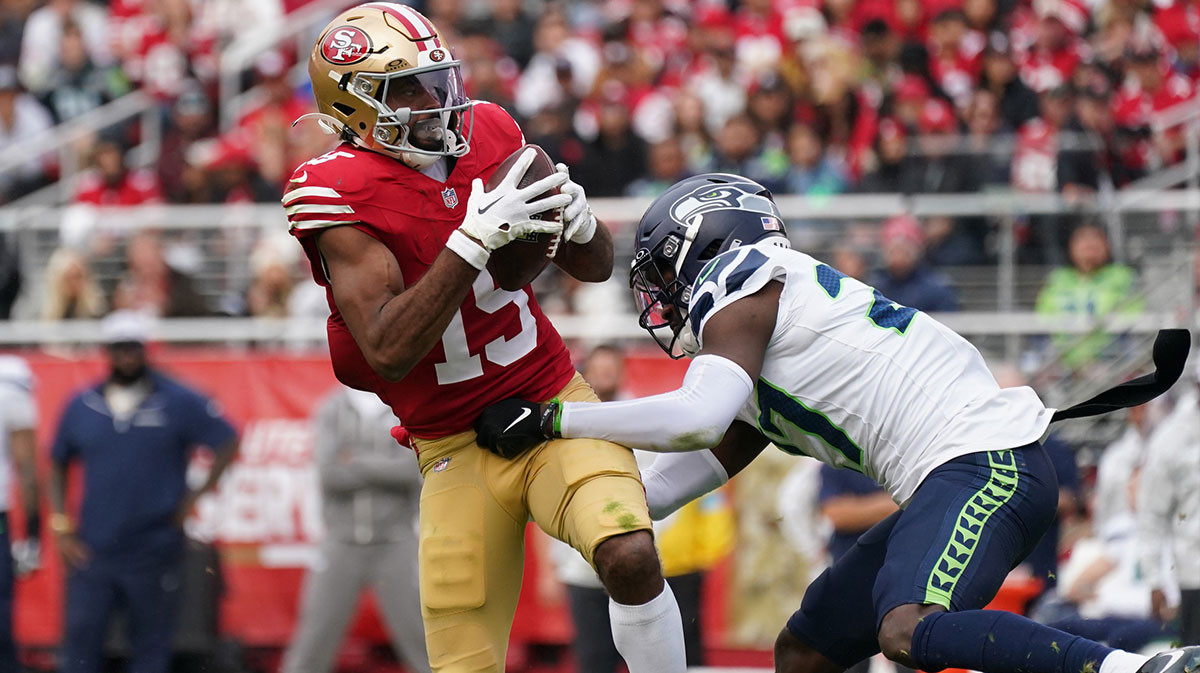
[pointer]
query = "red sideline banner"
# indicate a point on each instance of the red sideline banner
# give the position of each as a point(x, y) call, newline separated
point(265, 515)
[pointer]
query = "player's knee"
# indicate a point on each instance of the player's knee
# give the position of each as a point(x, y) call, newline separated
point(628, 566)
point(793, 656)
point(896, 631)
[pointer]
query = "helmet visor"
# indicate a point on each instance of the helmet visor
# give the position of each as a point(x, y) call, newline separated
point(426, 107)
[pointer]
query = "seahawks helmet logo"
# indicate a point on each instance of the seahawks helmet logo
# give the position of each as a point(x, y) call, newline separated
point(709, 198)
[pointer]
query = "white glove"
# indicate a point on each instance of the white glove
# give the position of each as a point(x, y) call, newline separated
point(494, 218)
point(580, 221)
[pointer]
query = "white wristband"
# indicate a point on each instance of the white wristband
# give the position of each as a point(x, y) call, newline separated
point(467, 248)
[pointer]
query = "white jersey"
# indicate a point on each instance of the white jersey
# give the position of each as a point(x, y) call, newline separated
point(857, 381)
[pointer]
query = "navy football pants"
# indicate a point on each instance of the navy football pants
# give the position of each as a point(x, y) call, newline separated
point(972, 520)
point(148, 594)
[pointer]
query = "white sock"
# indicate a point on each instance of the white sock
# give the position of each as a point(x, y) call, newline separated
point(1120, 661)
point(650, 636)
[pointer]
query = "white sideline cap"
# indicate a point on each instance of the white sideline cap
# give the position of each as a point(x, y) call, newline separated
point(125, 327)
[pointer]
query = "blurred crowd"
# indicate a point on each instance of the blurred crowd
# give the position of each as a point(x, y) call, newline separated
point(806, 96)
point(811, 97)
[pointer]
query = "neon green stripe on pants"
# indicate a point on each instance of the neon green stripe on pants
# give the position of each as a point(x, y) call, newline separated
point(1001, 484)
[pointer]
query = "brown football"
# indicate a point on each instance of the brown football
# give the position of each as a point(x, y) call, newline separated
point(515, 265)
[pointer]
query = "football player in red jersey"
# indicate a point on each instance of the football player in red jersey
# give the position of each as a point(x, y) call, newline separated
point(399, 230)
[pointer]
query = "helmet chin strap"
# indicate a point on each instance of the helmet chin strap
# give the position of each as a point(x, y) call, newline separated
point(418, 161)
point(687, 342)
point(421, 161)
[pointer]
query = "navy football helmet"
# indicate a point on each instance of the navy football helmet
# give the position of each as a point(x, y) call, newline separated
point(696, 219)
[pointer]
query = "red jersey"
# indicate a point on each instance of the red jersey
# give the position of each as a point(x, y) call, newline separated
point(136, 188)
point(498, 345)
point(1035, 159)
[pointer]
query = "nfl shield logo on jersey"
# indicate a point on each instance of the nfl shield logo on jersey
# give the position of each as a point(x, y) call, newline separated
point(449, 197)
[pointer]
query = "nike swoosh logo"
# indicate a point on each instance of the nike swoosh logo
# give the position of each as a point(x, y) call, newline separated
point(303, 178)
point(524, 413)
point(487, 208)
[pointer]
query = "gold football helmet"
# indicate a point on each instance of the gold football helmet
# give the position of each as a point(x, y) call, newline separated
point(384, 79)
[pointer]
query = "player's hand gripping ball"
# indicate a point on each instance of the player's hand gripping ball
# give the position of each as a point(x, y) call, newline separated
point(510, 427)
point(515, 265)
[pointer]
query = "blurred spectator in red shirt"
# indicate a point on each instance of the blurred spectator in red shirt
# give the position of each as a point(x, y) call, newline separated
point(954, 55)
point(279, 102)
point(1018, 103)
point(660, 37)
point(21, 117)
point(1035, 158)
point(1035, 169)
point(165, 48)
point(909, 99)
point(1057, 49)
point(111, 183)
point(79, 85)
point(229, 165)
point(1152, 88)
point(40, 50)
point(759, 39)
point(1179, 24)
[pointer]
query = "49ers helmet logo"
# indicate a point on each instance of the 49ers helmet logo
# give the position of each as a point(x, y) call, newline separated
point(345, 45)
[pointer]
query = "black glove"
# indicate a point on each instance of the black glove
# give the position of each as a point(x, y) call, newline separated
point(510, 427)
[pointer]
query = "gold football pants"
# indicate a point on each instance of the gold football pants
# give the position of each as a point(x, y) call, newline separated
point(474, 506)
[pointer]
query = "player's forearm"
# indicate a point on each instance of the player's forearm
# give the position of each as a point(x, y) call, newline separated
point(591, 262)
point(693, 417)
point(411, 323)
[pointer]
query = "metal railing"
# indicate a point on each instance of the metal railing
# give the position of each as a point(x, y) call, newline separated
point(64, 140)
point(240, 55)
